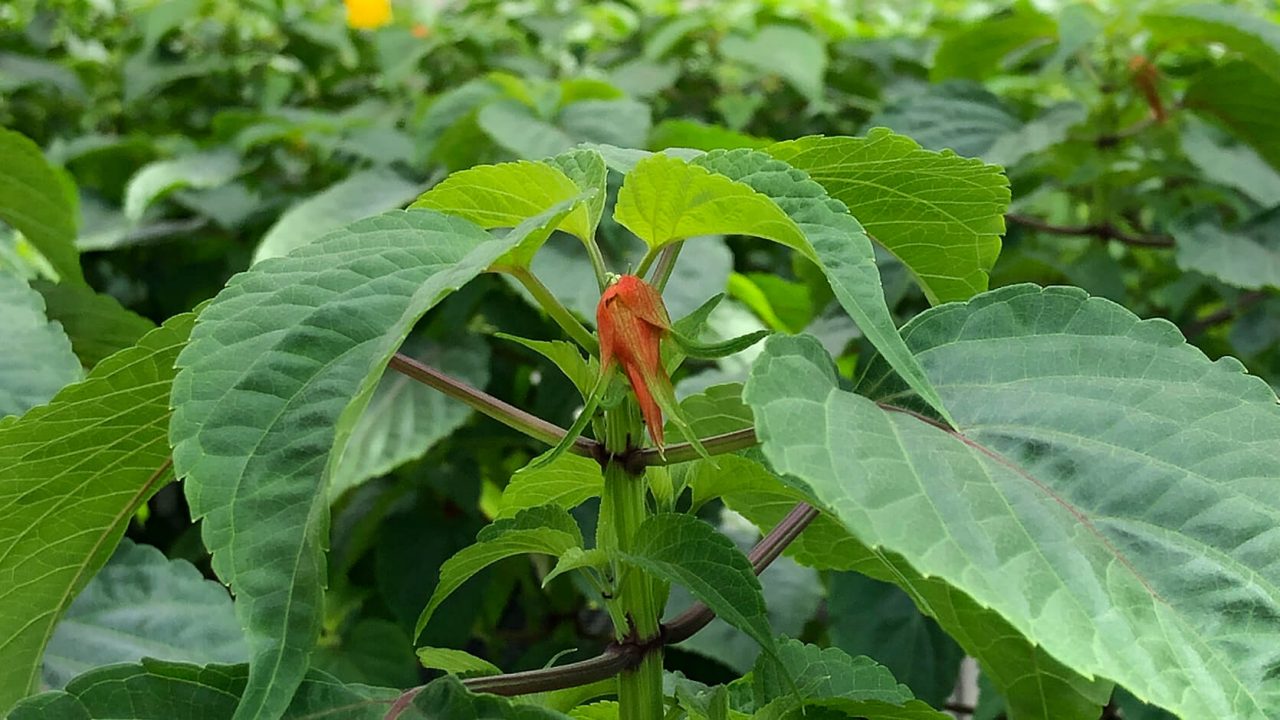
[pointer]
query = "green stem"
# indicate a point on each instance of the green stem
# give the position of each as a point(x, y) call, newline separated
point(622, 510)
point(666, 263)
point(597, 263)
point(558, 312)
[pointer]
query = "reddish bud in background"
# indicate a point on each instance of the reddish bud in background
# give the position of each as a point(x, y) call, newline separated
point(1146, 78)
point(632, 320)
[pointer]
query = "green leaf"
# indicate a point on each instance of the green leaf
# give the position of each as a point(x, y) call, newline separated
point(447, 698)
point(1024, 512)
point(877, 619)
point(364, 193)
point(1247, 256)
point(586, 168)
point(456, 662)
point(1257, 39)
point(39, 203)
point(278, 371)
point(790, 52)
point(624, 123)
point(684, 550)
point(975, 50)
point(40, 361)
point(507, 194)
point(96, 324)
point(711, 351)
point(372, 651)
point(961, 116)
point(515, 127)
point(1038, 687)
point(405, 418)
point(547, 529)
point(665, 199)
point(956, 205)
point(143, 604)
point(577, 559)
point(160, 690)
point(582, 372)
point(1242, 98)
point(680, 133)
point(830, 678)
point(106, 433)
point(200, 171)
point(782, 304)
point(843, 251)
point(1229, 163)
point(567, 482)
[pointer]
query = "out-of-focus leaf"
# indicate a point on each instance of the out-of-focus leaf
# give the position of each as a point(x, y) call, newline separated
point(40, 203)
point(200, 170)
point(96, 324)
point(38, 360)
point(790, 52)
point(1253, 37)
point(976, 50)
point(1247, 256)
point(1230, 163)
point(1242, 98)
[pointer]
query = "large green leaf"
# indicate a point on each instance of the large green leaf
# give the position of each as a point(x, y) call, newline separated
point(144, 605)
point(39, 203)
point(365, 193)
point(38, 361)
point(955, 206)
point(160, 690)
point(842, 251)
point(1253, 37)
point(546, 529)
point(1054, 504)
point(1037, 686)
point(72, 473)
point(830, 678)
point(664, 199)
point(1243, 98)
point(684, 550)
point(96, 324)
point(279, 369)
point(406, 418)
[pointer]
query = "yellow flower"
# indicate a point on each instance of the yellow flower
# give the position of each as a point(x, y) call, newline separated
point(368, 14)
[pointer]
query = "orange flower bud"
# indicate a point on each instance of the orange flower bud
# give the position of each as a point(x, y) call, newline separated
point(632, 321)
point(1146, 78)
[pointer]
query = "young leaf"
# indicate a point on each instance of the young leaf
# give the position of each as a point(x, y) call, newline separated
point(665, 199)
point(682, 549)
point(582, 372)
point(548, 529)
point(456, 662)
point(106, 433)
point(711, 351)
point(42, 362)
point(603, 381)
point(830, 678)
point(140, 604)
point(845, 253)
point(956, 205)
point(1040, 506)
point(278, 370)
point(567, 482)
point(39, 203)
point(577, 559)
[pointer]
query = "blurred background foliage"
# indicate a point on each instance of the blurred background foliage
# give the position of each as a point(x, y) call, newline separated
point(1141, 140)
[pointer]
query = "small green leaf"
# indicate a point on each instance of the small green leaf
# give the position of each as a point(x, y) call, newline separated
point(200, 171)
point(679, 133)
point(830, 678)
point(456, 662)
point(448, 698)
point(682, 549)
point(567, 482)
point(577, 559)
point(587, 169)
point(42, 361)
point(548, 529)
point(582, 372)
point(665, 199)
point(40, 203)
point(711, 351)
point(143, 604)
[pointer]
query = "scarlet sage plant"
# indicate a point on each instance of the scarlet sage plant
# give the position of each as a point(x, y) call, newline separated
point(1054, 481)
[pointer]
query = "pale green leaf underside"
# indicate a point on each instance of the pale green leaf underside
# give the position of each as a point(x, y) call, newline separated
point(684, 550)
point(842, 251)
point(38, 203)
point(159, 690)
point(1113, 494)
point(144, 605)
point(278, 370)
point(547, 529)
point(72, 473)
point(664, 199)
point(38, 360)
point(939, 213)
point(1037, 686)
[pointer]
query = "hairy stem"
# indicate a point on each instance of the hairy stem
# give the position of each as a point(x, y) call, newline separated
point(558, 312)
point(714, 445)
point(666, 263)
point(486, 404)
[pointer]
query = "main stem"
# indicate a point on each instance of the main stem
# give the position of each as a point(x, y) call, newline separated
point(622, 510)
